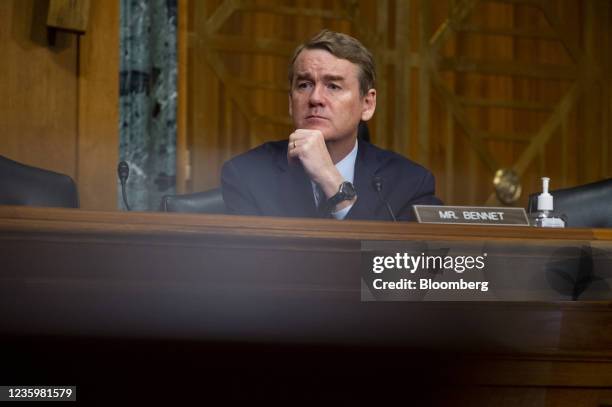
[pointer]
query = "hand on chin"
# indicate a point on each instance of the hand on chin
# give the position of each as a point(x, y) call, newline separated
point(325, 131)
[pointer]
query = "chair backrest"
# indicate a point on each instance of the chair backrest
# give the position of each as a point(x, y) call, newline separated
point(588, 205)
point(210, 201)
point(22, 184)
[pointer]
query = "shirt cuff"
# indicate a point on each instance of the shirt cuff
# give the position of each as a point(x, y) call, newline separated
point(341, 214)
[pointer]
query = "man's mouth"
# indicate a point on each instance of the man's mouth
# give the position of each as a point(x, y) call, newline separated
point(315, 117)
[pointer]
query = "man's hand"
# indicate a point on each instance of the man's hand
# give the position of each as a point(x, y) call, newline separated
point(308, 146)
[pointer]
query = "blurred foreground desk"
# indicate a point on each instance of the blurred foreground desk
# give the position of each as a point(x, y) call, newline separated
point(126, 305)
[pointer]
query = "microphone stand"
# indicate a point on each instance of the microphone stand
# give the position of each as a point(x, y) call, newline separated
point(123, 170)
point(377, 183)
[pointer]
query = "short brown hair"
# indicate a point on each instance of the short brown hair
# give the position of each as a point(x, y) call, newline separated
point(342, 46)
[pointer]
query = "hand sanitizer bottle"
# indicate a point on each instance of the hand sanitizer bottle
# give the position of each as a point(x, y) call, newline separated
point(545, 217)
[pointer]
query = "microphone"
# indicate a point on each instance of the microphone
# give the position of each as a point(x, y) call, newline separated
point(123, 170)
point(377, 183)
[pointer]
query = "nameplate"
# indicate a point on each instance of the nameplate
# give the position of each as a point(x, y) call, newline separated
point(471, 215)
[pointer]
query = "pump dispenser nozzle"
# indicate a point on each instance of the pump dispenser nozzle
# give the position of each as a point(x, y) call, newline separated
point(545, 200)
point(544, 216)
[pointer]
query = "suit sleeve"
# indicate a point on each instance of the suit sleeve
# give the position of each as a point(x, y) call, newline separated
point(236, 194)
point(424, 195)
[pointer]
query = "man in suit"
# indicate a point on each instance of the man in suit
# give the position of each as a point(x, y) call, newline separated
point(323, 170)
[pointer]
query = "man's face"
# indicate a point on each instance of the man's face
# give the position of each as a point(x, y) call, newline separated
point(325, 95)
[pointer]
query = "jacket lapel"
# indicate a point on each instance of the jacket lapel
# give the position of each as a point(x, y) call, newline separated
point(366, 167)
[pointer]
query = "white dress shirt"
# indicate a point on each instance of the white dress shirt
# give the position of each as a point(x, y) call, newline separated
point(346, 167)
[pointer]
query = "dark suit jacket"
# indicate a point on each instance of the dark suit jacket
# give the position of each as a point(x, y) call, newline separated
point(261, 182)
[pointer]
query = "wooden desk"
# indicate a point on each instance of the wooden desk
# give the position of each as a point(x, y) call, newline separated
point(220, 286)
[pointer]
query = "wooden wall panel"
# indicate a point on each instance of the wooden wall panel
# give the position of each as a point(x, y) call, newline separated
point(514, 108)
point(59, 103)
point(69, 15)
point(98, 142)
point(182, 151)
point(38, 89)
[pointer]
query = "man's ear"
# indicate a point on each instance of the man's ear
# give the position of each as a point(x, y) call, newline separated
point(368, 105)
point(290, 105)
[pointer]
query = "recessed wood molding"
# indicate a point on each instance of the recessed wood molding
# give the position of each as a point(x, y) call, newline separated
point(69, 15)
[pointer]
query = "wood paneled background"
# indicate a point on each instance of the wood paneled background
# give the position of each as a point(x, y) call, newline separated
point(38, 85)
point(465, 87)
point(59, 103)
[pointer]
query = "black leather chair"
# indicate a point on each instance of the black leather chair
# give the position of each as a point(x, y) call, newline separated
point(210, 201)
point(588, 205)
point(22, 184)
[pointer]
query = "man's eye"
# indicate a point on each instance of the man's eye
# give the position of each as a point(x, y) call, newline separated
point(333, 86)
point(303, 85)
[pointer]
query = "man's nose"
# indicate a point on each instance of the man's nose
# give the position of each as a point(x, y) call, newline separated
point(316, 96)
